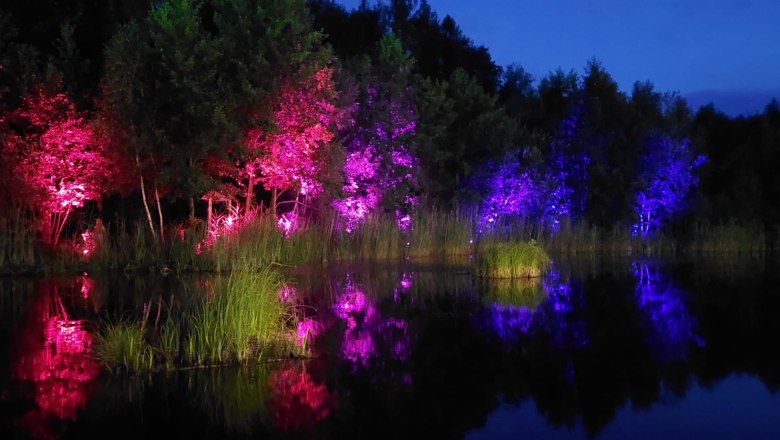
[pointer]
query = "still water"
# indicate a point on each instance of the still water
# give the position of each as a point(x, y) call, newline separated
point(595, 349)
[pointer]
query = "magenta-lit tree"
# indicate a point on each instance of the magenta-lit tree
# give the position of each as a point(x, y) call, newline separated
point(289, 157)
point(379, 169)
point(58, 157)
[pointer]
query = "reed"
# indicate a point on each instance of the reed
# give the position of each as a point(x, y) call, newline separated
point(123, 346)
point(728, 238)
point(510, 260)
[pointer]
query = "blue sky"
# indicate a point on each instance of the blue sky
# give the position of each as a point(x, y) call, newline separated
point(725, 51)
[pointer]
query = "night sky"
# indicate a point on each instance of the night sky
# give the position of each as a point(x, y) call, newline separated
point(721, 51)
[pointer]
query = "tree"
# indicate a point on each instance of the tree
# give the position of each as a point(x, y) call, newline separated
point(379, 167)
point(288, 157)
point(667, 178)
point(59, 159)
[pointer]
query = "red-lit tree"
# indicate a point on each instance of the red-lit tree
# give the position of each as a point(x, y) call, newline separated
point(289, 157)
point(57, 158)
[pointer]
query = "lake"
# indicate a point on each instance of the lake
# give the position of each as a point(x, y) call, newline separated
point(597, 348)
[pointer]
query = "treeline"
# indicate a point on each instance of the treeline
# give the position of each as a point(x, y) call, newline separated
point(308, 105)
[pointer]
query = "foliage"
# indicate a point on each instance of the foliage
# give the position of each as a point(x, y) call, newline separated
point(511, 260)
point(514, 191)
point(60, 163)
point(123, 345)
point(289, 157)
point(379, 168)
point(667, 179)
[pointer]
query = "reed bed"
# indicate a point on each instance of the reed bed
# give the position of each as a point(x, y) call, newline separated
point(433, 236)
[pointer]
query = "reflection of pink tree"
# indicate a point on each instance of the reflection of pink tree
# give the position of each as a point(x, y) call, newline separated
point(60, 159)
point(296, 400)
point(55, 358)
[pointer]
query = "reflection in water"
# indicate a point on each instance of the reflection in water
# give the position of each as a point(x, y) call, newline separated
point(367, 330)
point(569, 362)
point(53, 354)
point(297, 401)
point(553, 314)
point(668, 326)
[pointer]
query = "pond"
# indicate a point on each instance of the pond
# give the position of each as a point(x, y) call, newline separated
point(614, 348)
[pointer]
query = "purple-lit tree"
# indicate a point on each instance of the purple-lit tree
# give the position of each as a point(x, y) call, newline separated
point(379, 169)
point(666, 180)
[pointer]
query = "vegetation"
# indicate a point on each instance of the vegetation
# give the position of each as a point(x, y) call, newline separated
point(241, 321)
point(193, 129)
point(511, 260)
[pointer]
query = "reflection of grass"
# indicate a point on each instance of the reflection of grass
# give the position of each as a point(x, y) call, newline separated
point(232, 398)
point(511, 260)
point(242, 321)
point(525, 292)
point(122, 346)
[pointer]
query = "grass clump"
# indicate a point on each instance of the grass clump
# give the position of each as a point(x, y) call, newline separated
point(239, 321)
point(242, 322)
point(123, 345)
point(511, 260)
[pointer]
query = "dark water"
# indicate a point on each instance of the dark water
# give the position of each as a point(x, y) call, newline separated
point(596, 349)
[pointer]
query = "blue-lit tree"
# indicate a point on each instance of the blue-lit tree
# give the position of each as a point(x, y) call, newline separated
point(538, 193)
point(667, 177)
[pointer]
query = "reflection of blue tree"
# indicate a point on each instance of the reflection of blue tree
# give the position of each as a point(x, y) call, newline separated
point(668, 324)
point(555, 317)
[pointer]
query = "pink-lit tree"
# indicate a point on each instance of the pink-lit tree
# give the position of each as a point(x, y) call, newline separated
point(59, 159)
point(289, 157)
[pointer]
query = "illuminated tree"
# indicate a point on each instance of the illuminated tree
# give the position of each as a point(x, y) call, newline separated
point(379, 168)
point(59, 158)
point(667, 178)
point(538, 193)
point(289, 156)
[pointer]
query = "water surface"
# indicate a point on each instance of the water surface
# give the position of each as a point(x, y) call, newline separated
point(596, 349)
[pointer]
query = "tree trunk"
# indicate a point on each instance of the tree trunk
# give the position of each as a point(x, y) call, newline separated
point(208, 217)
point(273, 201)
point(143, 196)
point(249, 195)
point(159, 212)
point(192, 209)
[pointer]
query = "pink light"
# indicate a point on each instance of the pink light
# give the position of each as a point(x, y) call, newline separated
point(406, 281)
point(59, 367)
point(307, 328)
point(297, 401)
point(287, 294)
point(288, 223)
point(86, 286)
point(358, 346)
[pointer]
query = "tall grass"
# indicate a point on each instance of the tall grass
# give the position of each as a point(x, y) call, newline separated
point(17, 240)
point(123, 345)
point(727, 238)
point(240, 321)
point(434, 236)
point(243, 321)
point(511, 260)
